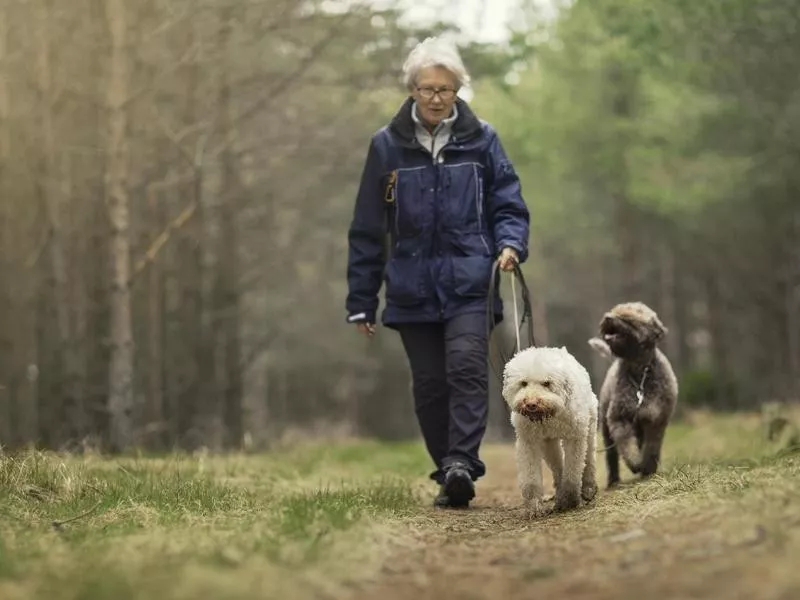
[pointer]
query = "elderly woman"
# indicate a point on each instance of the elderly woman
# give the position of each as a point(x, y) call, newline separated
point(439, 185)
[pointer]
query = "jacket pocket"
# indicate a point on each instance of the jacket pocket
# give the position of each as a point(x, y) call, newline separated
point(404, 282)
point(411, 201)
point(462, 193)
point(471, 275)
point(469, 243)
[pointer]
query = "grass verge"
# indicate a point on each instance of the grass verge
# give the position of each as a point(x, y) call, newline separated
point(348, 520)
point(177, 526)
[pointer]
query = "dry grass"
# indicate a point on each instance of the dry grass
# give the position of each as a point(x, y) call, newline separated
point(353, 520)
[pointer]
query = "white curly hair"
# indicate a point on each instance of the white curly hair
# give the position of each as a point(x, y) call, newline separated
point(435, 52)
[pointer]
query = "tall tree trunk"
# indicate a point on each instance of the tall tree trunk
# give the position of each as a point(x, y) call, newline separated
point(19, 243)
point(120, 399)
point(66, 414)
point(155, 311)
point(47, 191)
point(6, 249)
point(95, 263)
point(73, 336)
point(227, 305)
point(98, 323)
point(190, 357)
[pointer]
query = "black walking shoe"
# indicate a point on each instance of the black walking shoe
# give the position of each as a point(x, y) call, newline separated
point(441, 500)
point(458, 486)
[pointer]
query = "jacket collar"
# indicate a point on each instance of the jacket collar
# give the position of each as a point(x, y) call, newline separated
point(465, 127)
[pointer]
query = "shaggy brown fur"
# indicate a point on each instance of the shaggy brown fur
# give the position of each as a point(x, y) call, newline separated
point(631, 427)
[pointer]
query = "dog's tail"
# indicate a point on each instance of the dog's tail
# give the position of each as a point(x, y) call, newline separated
point(601, 347)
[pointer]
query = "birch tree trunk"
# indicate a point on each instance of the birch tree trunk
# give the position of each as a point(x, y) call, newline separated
point(120, 399)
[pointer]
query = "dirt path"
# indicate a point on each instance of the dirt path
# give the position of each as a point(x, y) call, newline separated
point(464, 553)
point(614, 549)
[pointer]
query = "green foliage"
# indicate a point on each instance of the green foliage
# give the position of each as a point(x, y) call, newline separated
point(652, 139)
point(611, 100)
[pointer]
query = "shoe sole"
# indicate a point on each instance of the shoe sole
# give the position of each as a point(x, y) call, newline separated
point(459, 489)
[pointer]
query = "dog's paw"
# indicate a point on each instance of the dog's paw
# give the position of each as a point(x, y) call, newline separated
point(567, 499)
point(535, 509)
point(589, 491)
point(633, 467)
point(648, 468)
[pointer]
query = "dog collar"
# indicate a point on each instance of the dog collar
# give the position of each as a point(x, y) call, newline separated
point(640, 387)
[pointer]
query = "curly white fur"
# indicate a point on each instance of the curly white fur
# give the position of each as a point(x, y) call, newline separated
point(554, 414)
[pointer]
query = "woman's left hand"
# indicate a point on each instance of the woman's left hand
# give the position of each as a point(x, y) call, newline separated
point(508, 258)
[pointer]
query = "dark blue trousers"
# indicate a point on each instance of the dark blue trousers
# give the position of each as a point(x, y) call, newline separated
point(451, 389)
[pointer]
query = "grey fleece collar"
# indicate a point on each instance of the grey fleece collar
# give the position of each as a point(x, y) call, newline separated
point(444, 124)
point(434, 141)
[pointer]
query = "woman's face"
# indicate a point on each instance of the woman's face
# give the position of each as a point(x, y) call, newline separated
point(435, 93)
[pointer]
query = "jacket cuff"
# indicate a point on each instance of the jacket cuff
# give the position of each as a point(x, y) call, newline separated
point(364, 316)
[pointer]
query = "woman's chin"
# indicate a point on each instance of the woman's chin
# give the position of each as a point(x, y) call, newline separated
point(434, 118)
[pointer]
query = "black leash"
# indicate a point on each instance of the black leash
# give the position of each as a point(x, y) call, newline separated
point(527, 315)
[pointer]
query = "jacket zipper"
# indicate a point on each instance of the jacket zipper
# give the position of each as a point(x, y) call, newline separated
point(437, 171)
point(479, 206)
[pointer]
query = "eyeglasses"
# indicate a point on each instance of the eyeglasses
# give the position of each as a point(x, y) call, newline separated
point(428, 93)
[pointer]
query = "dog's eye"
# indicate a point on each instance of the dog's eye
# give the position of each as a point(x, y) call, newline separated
point(547, 384)
point(523, 384)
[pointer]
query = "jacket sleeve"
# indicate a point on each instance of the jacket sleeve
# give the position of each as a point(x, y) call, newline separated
point(506, 207)
point(365, 262)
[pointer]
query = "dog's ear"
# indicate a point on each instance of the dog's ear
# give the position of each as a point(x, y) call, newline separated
point(657, 329)
point(601, 347)
point(569, 390)
point(506, 390)
point(507, 384)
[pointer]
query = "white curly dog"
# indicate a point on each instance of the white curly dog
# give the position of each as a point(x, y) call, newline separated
point(554, 414)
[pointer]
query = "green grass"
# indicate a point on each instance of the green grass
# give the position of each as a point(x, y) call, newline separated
point(89, 527)
point(711, 460)
point(314, 520)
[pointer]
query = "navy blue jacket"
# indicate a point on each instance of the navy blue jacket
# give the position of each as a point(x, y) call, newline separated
point(449, 221)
